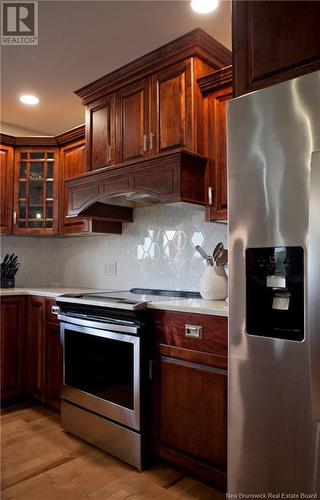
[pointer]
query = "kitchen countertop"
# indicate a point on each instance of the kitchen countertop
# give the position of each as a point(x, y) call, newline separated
point(195, 306)
point(43, 292)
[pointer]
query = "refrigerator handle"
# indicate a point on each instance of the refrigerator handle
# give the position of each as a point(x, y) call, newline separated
point(314, 283)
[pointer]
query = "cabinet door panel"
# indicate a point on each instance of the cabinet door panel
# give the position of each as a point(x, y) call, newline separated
point(172, 108)
point(132, 121)
point(36, 191)
point(12, 346)
point(72, 161)
point(6, 188)
point(53, 365)
point(263, 33)
point(36, 348)
point(193, 410)
point(100, 138)
point(217, 154)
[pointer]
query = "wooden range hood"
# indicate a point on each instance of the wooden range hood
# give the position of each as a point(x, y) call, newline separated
point(111, 193)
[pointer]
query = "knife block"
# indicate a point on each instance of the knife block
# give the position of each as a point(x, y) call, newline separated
point(7, 282)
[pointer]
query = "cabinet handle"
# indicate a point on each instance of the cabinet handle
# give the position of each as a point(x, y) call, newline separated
point(55, 310)
point(14, 218)
point(150, 369)
point(151, 142)
point(193, 331)
point(145, 142)
point(109, 154)
point(210, 195)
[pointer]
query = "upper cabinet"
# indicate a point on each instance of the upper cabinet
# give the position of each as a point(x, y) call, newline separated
point(158, 105)
point(35, 199)
point(132, 111)
point(100, 133)
point(72, 162)
point(263, 34)
point(172, 102)
point(217, 91)
point(6, 188)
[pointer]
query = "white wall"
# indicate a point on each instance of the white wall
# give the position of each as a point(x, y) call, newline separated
point(157, 250)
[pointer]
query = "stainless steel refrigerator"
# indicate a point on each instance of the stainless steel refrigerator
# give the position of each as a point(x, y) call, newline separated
point(274, 327)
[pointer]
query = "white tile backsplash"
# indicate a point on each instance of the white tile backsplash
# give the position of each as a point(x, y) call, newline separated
point(157, 250)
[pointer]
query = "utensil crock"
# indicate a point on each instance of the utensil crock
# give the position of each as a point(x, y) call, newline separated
point(214, 283)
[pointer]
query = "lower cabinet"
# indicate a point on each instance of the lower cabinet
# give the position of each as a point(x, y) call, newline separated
point(193, 410)
point(31, 361)
point(53, 357)
point(190, 395)
point(53, 366)
point(36, 348)
point(13, 339)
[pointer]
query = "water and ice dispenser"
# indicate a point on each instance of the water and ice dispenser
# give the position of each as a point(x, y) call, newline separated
point(275, 292)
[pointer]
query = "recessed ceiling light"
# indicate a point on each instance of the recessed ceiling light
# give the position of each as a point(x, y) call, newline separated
point(204, 6)
point(29, 99)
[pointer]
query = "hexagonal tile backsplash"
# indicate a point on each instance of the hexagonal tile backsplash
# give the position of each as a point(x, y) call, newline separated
point(157, 250)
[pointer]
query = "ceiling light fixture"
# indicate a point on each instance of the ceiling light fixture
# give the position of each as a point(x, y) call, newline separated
point(29, 99)
point(204, 6)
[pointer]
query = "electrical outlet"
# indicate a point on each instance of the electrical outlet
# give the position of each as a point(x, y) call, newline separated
point(110, 268)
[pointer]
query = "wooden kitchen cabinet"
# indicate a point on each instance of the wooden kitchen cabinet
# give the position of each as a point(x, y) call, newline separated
point(53, 366)
point(172, 108)
point(190, 394)
point(263, 32)
point(100, 133)
point(6, 188)
point(133, 121)
point(193, 414)
point(72, 163)
point(13, 347)
point(217, 90)
point(36, 347)
point(35, 200)
point(159, 107)
point(31, 354)
point(53, 356)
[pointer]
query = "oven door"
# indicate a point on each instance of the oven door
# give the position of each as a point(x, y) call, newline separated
point(101, 372)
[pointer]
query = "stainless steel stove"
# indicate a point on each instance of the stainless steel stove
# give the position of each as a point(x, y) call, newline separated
point(106, 342)
point(132, 300)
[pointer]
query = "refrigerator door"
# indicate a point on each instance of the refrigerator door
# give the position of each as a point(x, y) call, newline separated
point(274, 428)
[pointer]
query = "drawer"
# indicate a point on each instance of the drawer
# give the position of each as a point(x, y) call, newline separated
point(192, 331)
point(51, 317)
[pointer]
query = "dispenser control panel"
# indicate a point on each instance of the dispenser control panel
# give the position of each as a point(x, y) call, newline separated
point(275, 292)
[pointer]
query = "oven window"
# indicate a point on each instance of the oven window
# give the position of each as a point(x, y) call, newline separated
point(100, 366)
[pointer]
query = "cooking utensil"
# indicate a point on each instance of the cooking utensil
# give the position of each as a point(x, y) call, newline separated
point(218, 248)
point(204, 255)
point(222, 258)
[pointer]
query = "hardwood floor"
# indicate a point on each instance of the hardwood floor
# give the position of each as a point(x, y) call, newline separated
point(42, 462)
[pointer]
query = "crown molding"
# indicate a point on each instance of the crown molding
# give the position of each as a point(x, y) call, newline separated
point(71, 135)
point(216, 80)
point(196, 43)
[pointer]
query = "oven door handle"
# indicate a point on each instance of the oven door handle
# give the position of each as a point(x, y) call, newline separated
point(106, 334)
point(88, 323)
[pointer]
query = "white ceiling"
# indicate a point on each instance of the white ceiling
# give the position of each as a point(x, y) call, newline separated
point(79, 41)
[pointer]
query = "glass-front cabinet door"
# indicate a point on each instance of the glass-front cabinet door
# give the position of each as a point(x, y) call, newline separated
point(36, 197)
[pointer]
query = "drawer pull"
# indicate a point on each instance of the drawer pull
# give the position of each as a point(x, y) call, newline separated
point(55, 310)
point(193, 331)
